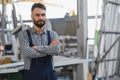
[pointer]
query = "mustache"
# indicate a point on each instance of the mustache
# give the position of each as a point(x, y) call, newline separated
point(40, 20)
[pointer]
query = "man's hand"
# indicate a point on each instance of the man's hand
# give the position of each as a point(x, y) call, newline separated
point(54, 42)
point(35, 47)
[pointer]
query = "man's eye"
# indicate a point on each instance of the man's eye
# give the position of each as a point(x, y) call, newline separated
point(42, 14)
point(37, 14)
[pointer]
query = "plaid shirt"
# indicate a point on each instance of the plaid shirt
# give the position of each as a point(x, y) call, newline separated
point(39, 40)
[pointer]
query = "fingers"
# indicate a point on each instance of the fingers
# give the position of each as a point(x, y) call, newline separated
point(54, 42)
point(35, 47)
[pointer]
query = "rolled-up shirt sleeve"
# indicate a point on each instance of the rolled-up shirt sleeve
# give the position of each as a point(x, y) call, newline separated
point(26, 50)
point(51, 50)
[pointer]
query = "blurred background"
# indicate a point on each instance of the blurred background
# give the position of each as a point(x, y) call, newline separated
point(88, 32)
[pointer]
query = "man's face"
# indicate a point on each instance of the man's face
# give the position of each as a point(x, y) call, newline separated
point(39, 17)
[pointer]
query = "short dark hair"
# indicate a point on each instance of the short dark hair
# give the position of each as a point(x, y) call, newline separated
point(38, 5)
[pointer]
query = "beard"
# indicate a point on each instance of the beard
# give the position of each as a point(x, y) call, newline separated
point(41, 24)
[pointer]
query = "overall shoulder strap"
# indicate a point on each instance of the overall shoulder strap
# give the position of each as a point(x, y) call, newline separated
point(30, 39)
point(48, 36)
